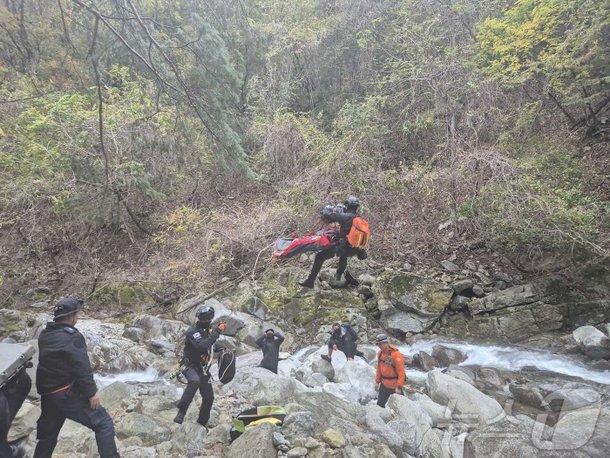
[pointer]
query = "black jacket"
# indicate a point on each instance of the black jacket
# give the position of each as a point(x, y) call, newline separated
point(344, 219)
point(344, 337)
point(198, 343)
point(271, 350)
point(63, 360)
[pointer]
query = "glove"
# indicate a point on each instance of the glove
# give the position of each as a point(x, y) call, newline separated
point(222, 327)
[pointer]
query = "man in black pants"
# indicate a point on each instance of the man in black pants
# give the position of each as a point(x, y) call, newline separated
point(270, 343)
point(197, 359)
point(343, 338)
point(12, 396)
point(342, 249)
point(65, 382)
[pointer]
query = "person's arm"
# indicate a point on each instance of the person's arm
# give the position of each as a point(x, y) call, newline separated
point(279, 338)
point(378, 373)
point(81, 366)
point(353, 334)
point(260, 341)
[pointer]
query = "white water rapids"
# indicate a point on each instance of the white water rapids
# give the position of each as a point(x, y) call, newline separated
point(511, 359)
point(498, 357)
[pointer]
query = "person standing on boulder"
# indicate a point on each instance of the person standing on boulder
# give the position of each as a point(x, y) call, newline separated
point(344, 215)
point(343, 338)
point(270, 343)
point(65, 382)
point(390, 375)
point(197, 359)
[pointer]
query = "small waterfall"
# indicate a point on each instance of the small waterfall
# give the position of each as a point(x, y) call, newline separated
point(146, 376)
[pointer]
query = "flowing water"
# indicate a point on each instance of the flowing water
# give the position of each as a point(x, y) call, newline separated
point(512, 359)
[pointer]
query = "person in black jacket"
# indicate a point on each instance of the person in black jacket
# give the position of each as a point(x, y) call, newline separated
point(343, 338)
point(65, 382)
point(197, 359)
point(344, 216)
point(270, 343)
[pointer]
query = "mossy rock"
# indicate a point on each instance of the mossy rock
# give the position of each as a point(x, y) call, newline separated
point(120, 295)
point(411, 293)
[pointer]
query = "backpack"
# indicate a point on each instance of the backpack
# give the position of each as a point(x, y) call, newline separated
point(256, 416)
point(226, 366)
point(359, 234)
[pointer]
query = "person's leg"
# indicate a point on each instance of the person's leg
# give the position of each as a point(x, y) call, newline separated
point(321, 256)
point(384, 395)
point(77, 409)
point(49, 424)
point(207, 399)
point(192, 377)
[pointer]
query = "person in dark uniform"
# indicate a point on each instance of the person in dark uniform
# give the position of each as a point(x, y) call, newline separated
point(65, 382)
point(197, 359)
point(270, 343)
point(344, 216)
point(343, 338)
point(12, 396)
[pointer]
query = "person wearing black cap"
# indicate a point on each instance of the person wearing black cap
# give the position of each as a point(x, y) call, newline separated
point(65, 382)
point(343, 338)
point(197, 359)
point(343, 215)
point(270, 343)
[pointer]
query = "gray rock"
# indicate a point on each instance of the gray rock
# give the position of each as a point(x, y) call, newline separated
point(315, 380)
point(299, 424)
point(592, 342)
point(470, 265)
point(360, 376)
point(379, 428)
point(459, 303)
point(112, 396)
point(24, 422)
point(450, 266)
point(334, 438)
point(478, 291)
point(366, 279)
point(426, 362)
point(147, 429)
point(190, 437)
point(323, 367)
point(256, 442)
point(261, 386)
point(440, 415)
point(447, 356)
point(297, 452)
point(469, 404)
point(462, 285)
point(135, 334)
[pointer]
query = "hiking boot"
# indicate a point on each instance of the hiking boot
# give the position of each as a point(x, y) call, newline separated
point(326, 358)
point(306, 283)
point(179, 418)
point(202, 423)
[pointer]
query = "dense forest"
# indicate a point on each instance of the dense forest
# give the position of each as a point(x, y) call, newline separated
point(171, 142)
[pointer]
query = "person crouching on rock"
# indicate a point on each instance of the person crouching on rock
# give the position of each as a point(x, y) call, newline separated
point(270, 343)
point(343, 338)
point(197, 359)
point(390, 375)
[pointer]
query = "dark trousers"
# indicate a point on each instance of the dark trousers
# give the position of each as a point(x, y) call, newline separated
point(197, 379)
point(384, 395)
point(57, 407)
point(341, 250)
point(11, 399)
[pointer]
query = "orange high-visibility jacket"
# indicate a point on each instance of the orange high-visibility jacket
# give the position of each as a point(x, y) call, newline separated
point(390, 368)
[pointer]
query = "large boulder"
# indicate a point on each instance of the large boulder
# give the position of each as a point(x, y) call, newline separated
point(256, 442)
point(468, 404)
point(592, 342)
point(447, 356)
point(509, 437)
point(408, 302)
point(260, 386)
point(24, 422)
point(20, 326)
point(422, 441)
point(360, 376)
point(147, 429)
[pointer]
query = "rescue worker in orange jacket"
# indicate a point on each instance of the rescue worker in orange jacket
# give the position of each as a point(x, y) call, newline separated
point(390, 376)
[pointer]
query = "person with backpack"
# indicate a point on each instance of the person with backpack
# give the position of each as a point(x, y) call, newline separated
point(270, 343)
point(343, 338)
point(390, 375)
point(352, 239)
point(196, 360)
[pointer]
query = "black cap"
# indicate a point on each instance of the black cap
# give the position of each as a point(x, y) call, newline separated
point(66, 306)
point(270, 329)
